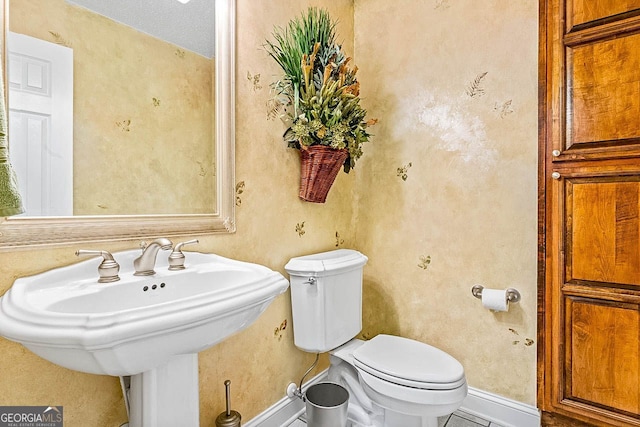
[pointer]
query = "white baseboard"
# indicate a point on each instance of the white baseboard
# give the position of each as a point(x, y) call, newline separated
point(488, 406)
point(500, 410)
point(286, 410)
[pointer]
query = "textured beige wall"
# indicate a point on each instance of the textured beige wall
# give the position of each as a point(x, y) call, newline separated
point(273, 226)
point(137, 102)
point(448, 187)
point(466, 213)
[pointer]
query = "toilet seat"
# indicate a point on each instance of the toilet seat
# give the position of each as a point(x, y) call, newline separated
point(408, 399)
point(409, 363)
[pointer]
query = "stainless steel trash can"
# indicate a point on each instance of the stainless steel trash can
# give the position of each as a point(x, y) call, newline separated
point(327, 405)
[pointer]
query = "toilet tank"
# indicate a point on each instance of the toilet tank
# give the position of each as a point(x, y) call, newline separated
point(326, 298)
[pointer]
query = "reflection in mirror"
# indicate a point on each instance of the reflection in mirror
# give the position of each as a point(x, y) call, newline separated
point(146, 157)
point(104, 118)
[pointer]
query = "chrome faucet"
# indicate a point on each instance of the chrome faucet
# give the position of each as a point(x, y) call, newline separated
point(145, 263)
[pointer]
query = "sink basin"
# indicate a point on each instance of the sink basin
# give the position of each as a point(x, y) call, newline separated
point(137, 323)
point(148, 328)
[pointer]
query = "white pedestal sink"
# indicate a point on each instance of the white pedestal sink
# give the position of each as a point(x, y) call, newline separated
point(150, 328)
point(166, 396)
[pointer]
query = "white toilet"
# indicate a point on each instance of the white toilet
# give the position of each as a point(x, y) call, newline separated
point(392, 381)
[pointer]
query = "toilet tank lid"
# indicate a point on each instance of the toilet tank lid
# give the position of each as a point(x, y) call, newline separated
point(331, 262)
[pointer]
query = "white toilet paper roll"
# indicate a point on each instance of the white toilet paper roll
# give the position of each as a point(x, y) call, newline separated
point(495, 299)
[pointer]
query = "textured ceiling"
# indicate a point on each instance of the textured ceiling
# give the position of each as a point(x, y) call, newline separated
point(190, 26)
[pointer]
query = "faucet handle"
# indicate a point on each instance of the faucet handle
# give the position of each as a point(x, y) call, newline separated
point(108, 268)
point(176, 259)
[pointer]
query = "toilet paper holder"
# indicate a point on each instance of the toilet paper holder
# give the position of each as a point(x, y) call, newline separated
point(513, 295)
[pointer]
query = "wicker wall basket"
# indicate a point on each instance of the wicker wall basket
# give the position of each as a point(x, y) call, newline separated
point(319, 167)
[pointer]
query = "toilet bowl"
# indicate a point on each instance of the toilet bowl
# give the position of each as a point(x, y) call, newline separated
point(398, 376)
point(392, 381)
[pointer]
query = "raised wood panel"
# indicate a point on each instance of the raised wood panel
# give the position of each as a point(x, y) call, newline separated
point(589, 213)
point(583, 11)
point(603, 227)
point(550, 419)
point(604, 91)
point(603, 354)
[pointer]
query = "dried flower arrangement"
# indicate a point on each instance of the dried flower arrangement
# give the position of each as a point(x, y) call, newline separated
point(318, 95)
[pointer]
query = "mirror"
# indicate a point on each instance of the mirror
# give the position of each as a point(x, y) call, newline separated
point(111, 106)
point(192, 209)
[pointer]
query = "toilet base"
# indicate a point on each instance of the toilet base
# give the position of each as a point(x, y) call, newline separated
point(364, 412)
point(388, 419)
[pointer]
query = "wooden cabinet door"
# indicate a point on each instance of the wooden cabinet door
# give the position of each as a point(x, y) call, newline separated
point(589, 305)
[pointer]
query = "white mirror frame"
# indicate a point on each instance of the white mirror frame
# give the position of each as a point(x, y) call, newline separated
point(16, 233)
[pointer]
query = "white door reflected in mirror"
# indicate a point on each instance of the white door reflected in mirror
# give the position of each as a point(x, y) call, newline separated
point(41, 123)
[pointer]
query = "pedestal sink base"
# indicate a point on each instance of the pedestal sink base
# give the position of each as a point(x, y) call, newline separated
point(166, 396)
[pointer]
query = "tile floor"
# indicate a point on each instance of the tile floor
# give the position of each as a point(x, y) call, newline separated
point(463, 419)
point(457, 419)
